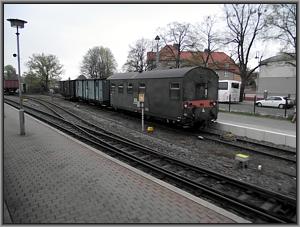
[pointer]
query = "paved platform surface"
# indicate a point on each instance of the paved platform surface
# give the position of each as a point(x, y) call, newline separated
point(276, 131)
point(275, 125)
point(52, 178)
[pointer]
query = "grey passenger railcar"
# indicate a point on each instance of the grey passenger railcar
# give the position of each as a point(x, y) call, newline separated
point(93, 90)
point(187, 95)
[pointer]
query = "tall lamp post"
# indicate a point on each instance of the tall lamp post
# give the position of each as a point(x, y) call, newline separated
point(157, 53)
point(258, 62)
point(17, 23)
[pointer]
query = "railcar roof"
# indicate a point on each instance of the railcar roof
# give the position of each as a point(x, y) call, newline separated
point(166, 73)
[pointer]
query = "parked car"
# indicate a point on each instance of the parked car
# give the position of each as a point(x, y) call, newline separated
point(276, 101)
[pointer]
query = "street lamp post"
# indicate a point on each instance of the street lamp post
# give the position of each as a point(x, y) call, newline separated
point(258, 61)
point(17, 23)
point(157, 53)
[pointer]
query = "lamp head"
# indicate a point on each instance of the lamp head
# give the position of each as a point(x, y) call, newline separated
point(17, 23)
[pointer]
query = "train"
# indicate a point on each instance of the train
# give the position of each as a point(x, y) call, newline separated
point(185, 96)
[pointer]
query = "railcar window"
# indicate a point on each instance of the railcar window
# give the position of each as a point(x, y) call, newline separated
point(142, 88)
point(201, 91)
point(223, 85)
point(129, 88)
point(174, 86)
point(174, 91)
point(235, 85)
point(120, 88)
point(113, 87)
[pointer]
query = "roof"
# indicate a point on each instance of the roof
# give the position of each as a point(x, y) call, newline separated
point(166, 73)
point(280, 57)
point(216, 60)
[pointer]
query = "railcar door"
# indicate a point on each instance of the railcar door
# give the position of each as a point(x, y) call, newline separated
point(86, 90)
point(91, 90)
point(96, 90)
point(201, 91)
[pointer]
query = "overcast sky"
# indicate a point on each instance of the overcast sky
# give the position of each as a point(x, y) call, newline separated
point(69, 30)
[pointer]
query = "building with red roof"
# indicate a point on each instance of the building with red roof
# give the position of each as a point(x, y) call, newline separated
point(224, 66)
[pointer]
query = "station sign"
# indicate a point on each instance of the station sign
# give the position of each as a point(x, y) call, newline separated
point(141, 97)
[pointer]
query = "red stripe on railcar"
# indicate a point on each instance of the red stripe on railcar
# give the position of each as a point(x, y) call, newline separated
point(200, 103)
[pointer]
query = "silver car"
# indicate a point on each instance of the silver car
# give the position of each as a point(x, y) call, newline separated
point(275, 101)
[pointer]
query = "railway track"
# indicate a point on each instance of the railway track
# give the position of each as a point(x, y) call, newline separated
point(246, 145)
point(252, 147)
point(257, 204)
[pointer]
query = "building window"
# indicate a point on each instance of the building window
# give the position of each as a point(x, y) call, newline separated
point(175, 91)
point(120, 88)
point(129, 88)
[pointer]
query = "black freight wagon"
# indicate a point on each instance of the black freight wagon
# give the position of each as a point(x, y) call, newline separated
point(67, 89)
point(187, 95)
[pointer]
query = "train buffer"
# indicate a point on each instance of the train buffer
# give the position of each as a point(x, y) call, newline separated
point(242, 160)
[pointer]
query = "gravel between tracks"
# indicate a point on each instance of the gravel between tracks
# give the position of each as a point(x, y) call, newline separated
point(276, 175)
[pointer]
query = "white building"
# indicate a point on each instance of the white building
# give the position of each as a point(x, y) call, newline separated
point(278, 76)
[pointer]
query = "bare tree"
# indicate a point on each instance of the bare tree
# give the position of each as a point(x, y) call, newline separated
point(136, 59)
point(245, 22)
point(281, 25)
point(44, 67)
point(98, 62)
point(180, 34)
point(207, 38)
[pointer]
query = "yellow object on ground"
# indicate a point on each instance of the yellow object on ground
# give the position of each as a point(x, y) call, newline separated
point(150, 129)
point(242, 156)
point(242, 159)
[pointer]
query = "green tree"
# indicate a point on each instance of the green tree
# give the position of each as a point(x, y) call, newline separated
point(98, 62)
point(10, 72)
point(33, 82)
point(46, 68)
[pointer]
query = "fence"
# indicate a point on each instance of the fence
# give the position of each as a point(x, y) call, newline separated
point(249, 106)
point(265, 94)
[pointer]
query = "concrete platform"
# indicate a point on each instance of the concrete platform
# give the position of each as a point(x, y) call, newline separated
point(50, 177)
point(280, 132)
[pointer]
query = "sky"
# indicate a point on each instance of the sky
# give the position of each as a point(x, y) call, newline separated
point(70, 30)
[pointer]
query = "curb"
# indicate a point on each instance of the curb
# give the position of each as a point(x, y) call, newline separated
point(258, 134)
